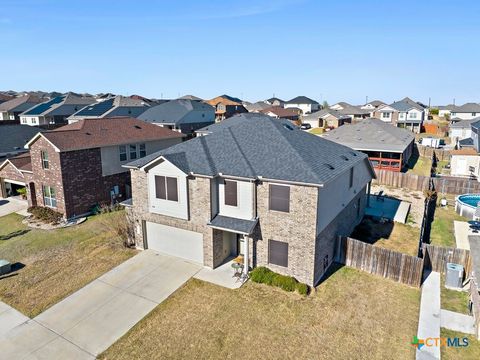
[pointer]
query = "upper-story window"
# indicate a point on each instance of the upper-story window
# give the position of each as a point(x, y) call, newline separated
point(133, 151)
point(386, 115)
point(166, 188)
point(231, 193)
point(123, 152)
point(279, 198)
point(401, 115)
point(413, 115)
point(143, 150)
point(45, 162)
point(49, 196)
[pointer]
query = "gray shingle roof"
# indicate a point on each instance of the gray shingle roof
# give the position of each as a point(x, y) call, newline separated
point(180, 111)
point(372, 134)
point(301, 100)
point(463, 124)
point(468, 142)
point(234, 224)
point(254, 145)
point(14, 137)
point(405, 105)
point(467, 108)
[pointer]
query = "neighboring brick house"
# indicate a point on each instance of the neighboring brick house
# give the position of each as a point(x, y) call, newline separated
point(226, 106)
point(327, 119)
point(77, 166)
point(255, 186)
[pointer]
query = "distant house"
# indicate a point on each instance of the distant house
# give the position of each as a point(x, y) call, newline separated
point(226, 106)
point(445, 110)
point(54, 111)
point(304, 103)
point(185, 116)
point(190, 97)
point(460, 130)
point(467, 111)
point(405, 113)
point(372, 105)
point(78, 166)
point(5, 97)
point(274, 101)
point(111, 107)
point(465, 163)
point(14, 137)
point(255, 186)
point(387, 147)
point(352, 111)
point(10, 110)
point(279, 112)
point(256, 107)
point(327, 119)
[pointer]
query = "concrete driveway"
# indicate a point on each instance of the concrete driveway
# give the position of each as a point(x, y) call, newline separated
point(11, 205)
point(87, 322)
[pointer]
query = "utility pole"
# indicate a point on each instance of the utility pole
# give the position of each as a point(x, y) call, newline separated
point(366, 100)
point(453, 101)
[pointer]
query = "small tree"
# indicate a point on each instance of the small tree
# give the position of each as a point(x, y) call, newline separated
point(325, 105)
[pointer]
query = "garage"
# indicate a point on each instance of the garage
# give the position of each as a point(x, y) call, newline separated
point(176, 242)
point(10, 187)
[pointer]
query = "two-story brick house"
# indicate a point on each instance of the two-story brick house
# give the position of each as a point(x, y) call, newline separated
point(254, 186)
point(77, 166)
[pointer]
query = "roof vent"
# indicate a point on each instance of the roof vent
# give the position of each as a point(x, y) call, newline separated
point(353, 153)
point(331, 167)
point(288, 126)
point(88, 133)
point(344, 157)
point(137, 127)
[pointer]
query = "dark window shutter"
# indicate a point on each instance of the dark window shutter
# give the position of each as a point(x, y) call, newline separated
point(172, 190)
point(278, 253)
point(279, 198)
point(230, 193)
point(160, 191)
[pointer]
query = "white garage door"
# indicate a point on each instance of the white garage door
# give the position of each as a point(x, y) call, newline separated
point(176, 242)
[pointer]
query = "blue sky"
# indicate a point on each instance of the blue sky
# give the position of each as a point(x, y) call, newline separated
point(335, 50)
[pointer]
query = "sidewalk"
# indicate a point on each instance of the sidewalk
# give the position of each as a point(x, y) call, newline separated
point(429, 319)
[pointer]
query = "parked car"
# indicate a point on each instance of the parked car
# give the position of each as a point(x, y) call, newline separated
point(305, 126)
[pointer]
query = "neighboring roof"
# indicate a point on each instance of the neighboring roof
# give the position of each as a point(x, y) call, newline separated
point(372, 134)
point(323, 113)
point(190, 97)
point(60, 105)
point(301, 100)
point(225, 100)
point(475, 124)
point(22, 162)
point(258, 146)
point(464, 151)
point(467, 108)
point(341, 104)
point(20, 103)
point(353, 110)
point(5, 97)
point(233, 224)
point(273, 99)
point(463, 124)
point(446, 107)
point(468, 142)
point(179, 112)
point(94, 133)
point(405, 105)
point(14, 137)
point(280, 111)
point(375, 103)
point(258, 106)
point(113, 107)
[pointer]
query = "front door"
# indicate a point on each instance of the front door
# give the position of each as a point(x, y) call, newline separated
point(33, 195)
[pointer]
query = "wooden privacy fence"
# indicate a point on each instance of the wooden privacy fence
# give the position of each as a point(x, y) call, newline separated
point(390, 264)
point(437, 257)
point(428, 152)
point(444, 184)
point(475, 299)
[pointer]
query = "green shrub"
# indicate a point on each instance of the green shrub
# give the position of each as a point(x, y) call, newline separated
point(22, 192)
point(434, 111)
point(262, 275)
point(45, 214)
point(287, 283)
point(302, 289)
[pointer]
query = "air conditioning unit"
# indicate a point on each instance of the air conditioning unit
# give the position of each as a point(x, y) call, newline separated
point(454, 276)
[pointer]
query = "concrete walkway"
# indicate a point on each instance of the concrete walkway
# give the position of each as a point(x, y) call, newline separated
point(461, 231)
point(429, 319)
point(10, 318)
point(87, 322)
point(457, 322)
point(11, 205)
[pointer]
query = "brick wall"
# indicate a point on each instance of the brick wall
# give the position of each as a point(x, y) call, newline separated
point(297, 228)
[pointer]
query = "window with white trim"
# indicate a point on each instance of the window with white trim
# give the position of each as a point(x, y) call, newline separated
point(45, 162)
point(49, 196)
point(123, 152)
point(386, 115)
point(143, 150)
point(166, 188)
point(133, 151)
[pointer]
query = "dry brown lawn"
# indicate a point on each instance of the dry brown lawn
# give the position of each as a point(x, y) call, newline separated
point(353, 315)
point(58, 262)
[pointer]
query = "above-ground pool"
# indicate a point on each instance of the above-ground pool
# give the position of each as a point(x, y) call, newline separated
point(466, 204)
